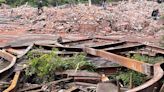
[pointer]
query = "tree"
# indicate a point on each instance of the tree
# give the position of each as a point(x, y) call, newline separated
point(89, 2)
point(48, 2)
point(2, 1)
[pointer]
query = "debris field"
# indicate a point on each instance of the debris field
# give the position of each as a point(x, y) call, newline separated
point(81, 48)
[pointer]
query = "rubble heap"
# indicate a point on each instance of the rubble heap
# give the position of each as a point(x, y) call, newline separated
point(123, 16)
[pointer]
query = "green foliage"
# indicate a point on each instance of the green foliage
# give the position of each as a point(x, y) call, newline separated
point(137, 78)
point(15, 3)
point(44, 66)
point(148, 59)
point(2, 1)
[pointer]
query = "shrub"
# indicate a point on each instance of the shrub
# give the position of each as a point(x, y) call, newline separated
point(44, 66)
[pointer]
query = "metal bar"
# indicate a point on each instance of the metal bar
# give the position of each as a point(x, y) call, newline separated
point(19, 51)
point(108, 45)
point(77, 41)
point(149, 85)
point(125, 48)
point(108, 70)
point(84, 84)
point(47, 84)
point(111, 39)
point(139, 66)
point(13, 85)
point(87, 79)
point(155, 49)
point(26, 51)
point(8, 57)
point(50, 47)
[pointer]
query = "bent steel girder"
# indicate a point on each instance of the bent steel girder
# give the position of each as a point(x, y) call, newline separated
point(19, 52)
point(149, 85)
point(138, 66)
point(152, 70)
point(8, 57)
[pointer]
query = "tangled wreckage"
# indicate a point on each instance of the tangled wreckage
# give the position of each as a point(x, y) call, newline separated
point(82, 48)
point(105, 53)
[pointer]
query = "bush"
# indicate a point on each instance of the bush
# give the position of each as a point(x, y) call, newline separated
point(44, 66)
point(15, 3)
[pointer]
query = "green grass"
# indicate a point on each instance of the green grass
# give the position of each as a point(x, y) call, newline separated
point(15, 3)
point(147, 59)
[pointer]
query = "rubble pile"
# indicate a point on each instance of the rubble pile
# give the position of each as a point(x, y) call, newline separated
point(136, 16)
point(124, 16)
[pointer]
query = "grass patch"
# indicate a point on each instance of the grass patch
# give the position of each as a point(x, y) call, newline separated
point(147, 59)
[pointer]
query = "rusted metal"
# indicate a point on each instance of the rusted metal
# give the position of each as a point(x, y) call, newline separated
point(13, 85)
point(125, 48)
point(77, 41)
point(85, 84)
point(91, 42)
point(19, 51)
point(108, 70)
point(111, 38)
point(148, 50)
point(54, 44)
point(26, 51)
point(149, 85)
point(47, 84)
point(10, 58)
point(50, 47)
point(102, 46)
point(139, 66)
point(99, 50)
point(89, 39)
point(143, 53)
point(87, 79)
point(162, 88)
point(152, 70)
point(156, 49)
